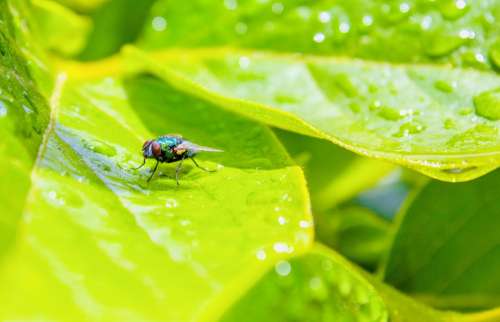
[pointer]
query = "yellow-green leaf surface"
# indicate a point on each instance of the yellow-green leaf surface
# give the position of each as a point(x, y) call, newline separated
point(405, 81)
point(24, 116)
point(392, 112)
point(98, 243)
point(456, 263)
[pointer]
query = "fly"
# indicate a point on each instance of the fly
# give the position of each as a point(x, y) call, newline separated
point(172, 148)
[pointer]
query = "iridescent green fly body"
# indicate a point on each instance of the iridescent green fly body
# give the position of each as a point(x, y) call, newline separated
point(172, 148)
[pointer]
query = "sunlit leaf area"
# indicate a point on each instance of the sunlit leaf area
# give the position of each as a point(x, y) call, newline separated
point(249, 161)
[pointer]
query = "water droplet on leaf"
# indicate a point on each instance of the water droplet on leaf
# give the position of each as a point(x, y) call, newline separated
point(488, 104)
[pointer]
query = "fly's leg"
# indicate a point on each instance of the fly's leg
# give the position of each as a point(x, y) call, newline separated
point(199, 167)
point(143, 163)
point(154, 170)
point(178, 170)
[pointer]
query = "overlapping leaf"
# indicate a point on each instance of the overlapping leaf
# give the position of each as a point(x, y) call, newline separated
point(439, 120)
point(456, 263)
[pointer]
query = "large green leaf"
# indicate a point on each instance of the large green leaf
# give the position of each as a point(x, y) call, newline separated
point(432, 118)
point(445, 31)
point(398, 113)
point(97, 242)
point(457, 260)
point(24, 115)
point(322, 286)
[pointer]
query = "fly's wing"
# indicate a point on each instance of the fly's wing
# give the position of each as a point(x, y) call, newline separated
point(195, 148)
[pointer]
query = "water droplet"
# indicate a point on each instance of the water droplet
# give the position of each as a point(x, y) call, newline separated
point(261, 255)
point(171, 203)
point(231, 4)
point(494, 54)
point(283, 268)
point(426, 22)
point(277, 209)
point(367, 20)
point(282, 220)
point(101, 148)
point(159, 23)
point(324, 16)
point(319, 37)
point(241, 28)
point(442, 43)
point(444, 86)
point(185, 222)
point(409, 128)
point(27, 109)
point(281, 247)
point(305, 224)
point(488, 104)
point(55, 199)
point(244, 62)
point(465, 111)
point(344, 27)
point(390, 113)
point(277, 8)
point(344, 83)
point(453, 9)
point(318, 289)
point(3, 109)
point(467, 34)
point(404, 7)
point(449, 124)
point(286, 197)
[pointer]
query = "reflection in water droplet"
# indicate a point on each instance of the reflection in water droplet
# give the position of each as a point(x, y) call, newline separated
point(3, 109)
point(404, 7)
point(305, 224)
point(344, 27)
point(27, 109)
point(467, 34)
point(367, 20)
point(171, 203)
point(426, 22)
point(159, 23)
point(244, 62)
point(319, 37)
point(409, 128)
point(55, 199)
point(231, 4)
point(324, 17)
point(281, 247)
point(282, 220)
point(283, 268)
point(261, 255)
point(488, 104)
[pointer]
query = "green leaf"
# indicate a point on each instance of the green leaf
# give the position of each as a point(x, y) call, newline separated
point(398, 115)
point(333, 174)
point(98, 242)
point(445, 31)
point(456, 261)
point(62, 30)
point(355, 232)
point(24, 116)
point(116, 22)
point(322, 286)
point(416, 115)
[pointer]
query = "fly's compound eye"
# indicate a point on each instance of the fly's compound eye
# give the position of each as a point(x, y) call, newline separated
point(146, 143)
point(156, 149)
